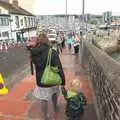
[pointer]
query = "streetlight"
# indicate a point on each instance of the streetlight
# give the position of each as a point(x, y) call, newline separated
point(83, 9)
point(83, 23)
point(66, 13)
point(83, 13)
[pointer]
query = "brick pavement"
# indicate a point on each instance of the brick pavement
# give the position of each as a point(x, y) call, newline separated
point(19, 104)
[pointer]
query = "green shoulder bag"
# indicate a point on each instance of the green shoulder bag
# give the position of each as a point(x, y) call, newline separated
point(50, 75)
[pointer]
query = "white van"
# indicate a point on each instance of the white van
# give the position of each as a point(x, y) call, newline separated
point(52, 37)
point(51, 31)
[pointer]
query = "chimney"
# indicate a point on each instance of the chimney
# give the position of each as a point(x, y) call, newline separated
point(15, 3)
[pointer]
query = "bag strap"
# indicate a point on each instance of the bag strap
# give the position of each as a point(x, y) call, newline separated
point(49, 57)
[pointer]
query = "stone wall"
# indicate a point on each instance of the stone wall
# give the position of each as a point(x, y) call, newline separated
point(104, 73)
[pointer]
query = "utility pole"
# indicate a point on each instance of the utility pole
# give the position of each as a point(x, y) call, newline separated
point(83, 21)
point(83, 13)
point(66, 20)
point(83, 9)
point(83, 25)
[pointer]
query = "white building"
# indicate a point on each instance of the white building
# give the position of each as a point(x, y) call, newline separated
point(72, 23)
point(4, 25)
point(19, 22)
point(51, 20)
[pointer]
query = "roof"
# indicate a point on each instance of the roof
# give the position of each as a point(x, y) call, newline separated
point(15, 9)
point(5, 15)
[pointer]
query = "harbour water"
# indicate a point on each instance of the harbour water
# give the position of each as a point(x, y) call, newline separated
point(116, 56)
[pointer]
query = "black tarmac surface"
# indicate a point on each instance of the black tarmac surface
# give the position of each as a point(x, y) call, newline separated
point(13, 60)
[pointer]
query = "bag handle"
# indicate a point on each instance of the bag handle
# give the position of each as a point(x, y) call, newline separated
point(49, 57)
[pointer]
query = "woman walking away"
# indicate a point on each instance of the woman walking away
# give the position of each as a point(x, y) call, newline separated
point(45, 93)
point(69, 43)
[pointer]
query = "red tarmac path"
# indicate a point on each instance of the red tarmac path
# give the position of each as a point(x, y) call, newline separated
point(15, 106)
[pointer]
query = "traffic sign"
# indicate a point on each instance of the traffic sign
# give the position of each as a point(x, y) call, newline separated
point(107, 16)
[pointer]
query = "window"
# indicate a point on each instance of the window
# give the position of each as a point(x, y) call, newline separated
point(0, 21)
point(42, 17)
point(32, 22)
point(5, 34)
point(17, 21)
point(25, 20)
point(4, 21)
point(21, 22)
point(29, 21)
point(0, 34)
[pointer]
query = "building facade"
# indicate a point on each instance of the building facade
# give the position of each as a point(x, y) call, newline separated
point(56, 20)
point(19, 22)
point(5, 33)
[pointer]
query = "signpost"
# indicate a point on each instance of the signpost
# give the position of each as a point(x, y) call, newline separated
point(107, 17)
point(83, 24)
point(66, 15)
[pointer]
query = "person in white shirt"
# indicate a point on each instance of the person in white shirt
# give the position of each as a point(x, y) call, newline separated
point(6, 47)
point(59, 43)
point(76, 44)
point(1, 47)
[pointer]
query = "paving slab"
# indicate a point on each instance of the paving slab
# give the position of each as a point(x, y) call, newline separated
point(20, 104)
point(15, 108)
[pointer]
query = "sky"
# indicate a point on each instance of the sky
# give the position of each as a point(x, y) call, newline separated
point(51, 7)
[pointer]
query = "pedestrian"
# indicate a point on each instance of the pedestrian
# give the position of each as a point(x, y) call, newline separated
point(39, 53)
point(75, 100)
point(59, 43)
point(69, 43)
point(6, 47)
point(63, 41)
point(1, 47)
point(54, 46)
point(76, 44)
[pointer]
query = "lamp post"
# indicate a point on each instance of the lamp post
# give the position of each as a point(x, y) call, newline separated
point(83, 9)
point(83, 25)
point(83, 21)
point(66, 24)
point(83, 13)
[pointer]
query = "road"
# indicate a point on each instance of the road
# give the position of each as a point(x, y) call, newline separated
point(13, 60)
